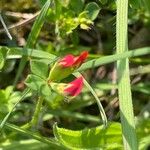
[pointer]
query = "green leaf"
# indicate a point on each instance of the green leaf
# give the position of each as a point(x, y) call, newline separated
point(112, 58)
point(144, 143)
point(12, 109)
point(65, 3)
point(147, 5)
point(46, 91)
point(36, 28)
point(77, 5)
point(3, 54)
point(34, 82)
point(58, 9)
point(49, 58)
point(24, 145)
point(135, 4)
point(94, 138)
point(103, 1)
point(39, 85)
point(93, 10)
point(124, 86)
point(13, 51)
point(39, 68)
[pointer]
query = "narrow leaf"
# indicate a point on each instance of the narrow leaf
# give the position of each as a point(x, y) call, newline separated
point(3, 55)
point(124, 87)
point(33, 37)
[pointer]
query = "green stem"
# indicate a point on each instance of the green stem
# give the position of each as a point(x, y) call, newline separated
point(100, 107)
point(38, 107)
point(124, 87)
point(30, 134)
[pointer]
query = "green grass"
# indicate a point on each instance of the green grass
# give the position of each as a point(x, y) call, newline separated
point(124, 87)
point(74, 113)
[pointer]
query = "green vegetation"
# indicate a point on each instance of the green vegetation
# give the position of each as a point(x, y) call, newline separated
point(74, 74)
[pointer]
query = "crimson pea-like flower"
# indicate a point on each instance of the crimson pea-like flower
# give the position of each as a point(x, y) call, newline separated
point(72, 61)
point(71, 89)
point(74, 88)
point(66, 65)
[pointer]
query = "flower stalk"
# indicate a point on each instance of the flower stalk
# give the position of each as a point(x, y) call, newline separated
point(38, 108)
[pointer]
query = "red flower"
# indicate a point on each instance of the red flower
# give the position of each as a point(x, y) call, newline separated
point(74, 88)
point(66, 65)
point(72, 61)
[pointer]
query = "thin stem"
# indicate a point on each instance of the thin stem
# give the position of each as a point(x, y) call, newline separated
point(34, 136)
point(100, 107)
point(38, 107)
point(5, 27)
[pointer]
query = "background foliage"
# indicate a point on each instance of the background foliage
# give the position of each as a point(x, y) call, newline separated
point(63, 27)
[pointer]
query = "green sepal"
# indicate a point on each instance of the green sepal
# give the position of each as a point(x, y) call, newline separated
point(57, 73)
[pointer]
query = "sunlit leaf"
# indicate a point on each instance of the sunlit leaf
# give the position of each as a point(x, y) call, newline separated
point(3, 54)
point(94, 138)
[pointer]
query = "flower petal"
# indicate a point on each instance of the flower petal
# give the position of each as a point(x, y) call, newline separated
point(74, 88)
point(80, 59)
point(67, 61)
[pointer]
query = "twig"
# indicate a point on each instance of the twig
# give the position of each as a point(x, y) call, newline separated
point(21, 23)
point(19, 15)
point(5, 27)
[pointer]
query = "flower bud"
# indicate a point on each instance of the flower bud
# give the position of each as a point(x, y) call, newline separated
point(70, 90)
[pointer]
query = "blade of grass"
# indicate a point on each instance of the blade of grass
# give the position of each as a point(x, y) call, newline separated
point(30, 52)
point(30, 134)
point(33, 37)
point(124, 87)
point(18, 51)
point(75, 115)
point(140, 70)
point(112, 58)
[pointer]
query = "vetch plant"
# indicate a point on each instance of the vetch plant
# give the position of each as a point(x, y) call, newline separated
point(43, 85)
point(48, 85)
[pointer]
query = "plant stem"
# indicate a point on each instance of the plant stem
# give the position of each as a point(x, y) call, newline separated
point(124, 87)
point(38, 107)
point(100, 107)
